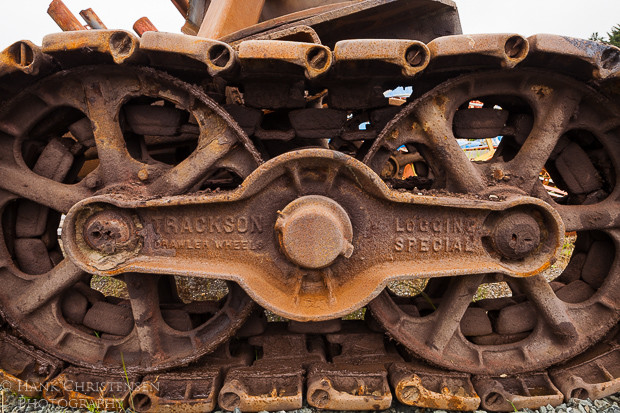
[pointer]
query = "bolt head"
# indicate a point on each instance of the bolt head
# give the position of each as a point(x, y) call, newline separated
point(106, 231)
point(516, 235)
point(143, 174)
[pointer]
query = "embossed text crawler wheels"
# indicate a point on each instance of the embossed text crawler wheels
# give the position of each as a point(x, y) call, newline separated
point(547, 121)
point(95, 130)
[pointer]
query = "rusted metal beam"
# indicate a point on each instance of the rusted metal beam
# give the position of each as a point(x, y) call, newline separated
point(227, 16)
point(106, 45)
point(91, 18)
point(410, 56)
point(315, 60)
point(63, 16)
point(144, 25)
point(196, 54)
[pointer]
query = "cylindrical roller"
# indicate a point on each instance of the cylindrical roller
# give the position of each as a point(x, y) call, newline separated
point(143, 25)
point(23, 56)
point(91, 18)
point(313, 58)
point(63, 16)
point(411, 56)
point(454, 52)
point(116, 45)
point(163, 49)
point(600, 59)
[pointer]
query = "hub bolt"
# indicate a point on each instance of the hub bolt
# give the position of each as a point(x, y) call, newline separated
point(106, 231)
point(516, 235)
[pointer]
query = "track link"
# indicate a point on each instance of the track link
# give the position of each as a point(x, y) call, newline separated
point(368, 374)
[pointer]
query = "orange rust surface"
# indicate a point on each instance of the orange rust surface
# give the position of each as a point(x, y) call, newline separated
point(20, 386)
point(63, 16)
point(58, 392)
point(315, 59)
point(120, 45)
point(432, 400)
point(144, 25)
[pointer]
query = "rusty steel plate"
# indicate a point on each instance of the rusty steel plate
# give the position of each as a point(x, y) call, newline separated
point(316, 249)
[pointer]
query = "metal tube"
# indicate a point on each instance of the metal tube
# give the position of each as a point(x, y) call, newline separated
point(228, 16)
point(91, 18)
point(63, 16)
point(144, 25)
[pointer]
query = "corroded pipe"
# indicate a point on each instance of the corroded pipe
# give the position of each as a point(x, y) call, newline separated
point(91, 18)
point(144, 25)
point(63, 16)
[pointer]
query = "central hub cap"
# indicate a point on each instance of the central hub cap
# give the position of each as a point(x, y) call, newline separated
point(314, 230)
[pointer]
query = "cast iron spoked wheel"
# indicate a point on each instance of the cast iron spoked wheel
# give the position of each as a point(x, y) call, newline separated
point(98, 130)
point(547, 121)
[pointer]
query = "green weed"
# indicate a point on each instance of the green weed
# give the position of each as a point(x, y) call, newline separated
point(93, 408)
point(128, 383)
point(513, 405)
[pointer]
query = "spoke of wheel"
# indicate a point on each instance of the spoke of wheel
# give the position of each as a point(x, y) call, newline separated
point(189, 172)
point(539, 191)
point(453, 305)
point(49, 285)
point(144, 297)
point(552, 310)
point(462, 173)
point(27, 184)
point(552, 115)
point(604, 215)
point(102, 105)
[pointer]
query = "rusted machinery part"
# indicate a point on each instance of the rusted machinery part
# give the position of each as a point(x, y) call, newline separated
point(423, 20)
point(561, 322)
point(342, 362)
point(143, 25)
point(63, 16)
point(108, 46)
point(56, 307)
point(267, 372)
point(92, 19)
point(185, 54)
point(314, 232)
point(25, 59)
point(315, 59)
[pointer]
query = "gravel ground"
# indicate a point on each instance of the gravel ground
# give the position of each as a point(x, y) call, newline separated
point(15, 404)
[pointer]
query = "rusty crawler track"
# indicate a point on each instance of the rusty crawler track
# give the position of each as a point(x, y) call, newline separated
point(175, 158)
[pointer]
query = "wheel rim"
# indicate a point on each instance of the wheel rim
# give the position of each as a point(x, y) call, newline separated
point(543, 323)
point(47, 298)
